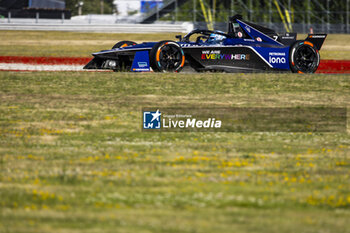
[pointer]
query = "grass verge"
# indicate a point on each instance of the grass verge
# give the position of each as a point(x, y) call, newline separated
point(74, 159)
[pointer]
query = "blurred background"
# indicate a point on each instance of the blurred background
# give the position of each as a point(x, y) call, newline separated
point(301, 16)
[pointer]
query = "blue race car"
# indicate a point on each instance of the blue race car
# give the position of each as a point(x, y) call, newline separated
point(246, 47)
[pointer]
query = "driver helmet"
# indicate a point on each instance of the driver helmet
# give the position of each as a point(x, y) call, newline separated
point(215, 38)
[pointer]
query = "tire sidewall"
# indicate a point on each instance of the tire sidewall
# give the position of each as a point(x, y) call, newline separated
point(293, 50)
point(154, 56)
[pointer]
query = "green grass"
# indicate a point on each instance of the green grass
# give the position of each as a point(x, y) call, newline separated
point(74, 159)
point(72, 44)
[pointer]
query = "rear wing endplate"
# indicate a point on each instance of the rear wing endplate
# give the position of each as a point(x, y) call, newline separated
point(317, 39)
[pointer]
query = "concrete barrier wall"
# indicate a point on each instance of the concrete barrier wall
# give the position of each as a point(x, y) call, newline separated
point(75, 26)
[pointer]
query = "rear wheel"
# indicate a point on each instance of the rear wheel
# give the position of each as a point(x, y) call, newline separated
point(167, 56)
point(304, 57)
point(123, 44)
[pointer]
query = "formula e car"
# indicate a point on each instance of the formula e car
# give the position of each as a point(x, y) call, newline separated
point(246, 47)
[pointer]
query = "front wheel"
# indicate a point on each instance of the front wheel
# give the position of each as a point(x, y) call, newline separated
point(167, 56)
point(304, 57)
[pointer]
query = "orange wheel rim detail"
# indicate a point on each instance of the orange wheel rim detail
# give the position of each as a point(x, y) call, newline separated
point(158, 54)
point(183, 61)
point(309, 43)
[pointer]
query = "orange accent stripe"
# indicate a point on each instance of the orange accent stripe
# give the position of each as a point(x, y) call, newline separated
point(183, 61)
point(293, 63)
point(300, 72)
point(158, 54)
point(309, 43)
point(124, 45)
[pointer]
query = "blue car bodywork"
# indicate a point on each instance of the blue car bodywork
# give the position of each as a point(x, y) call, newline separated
point(246, 47)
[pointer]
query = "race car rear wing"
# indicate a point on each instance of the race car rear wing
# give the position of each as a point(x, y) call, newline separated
point(317, 39)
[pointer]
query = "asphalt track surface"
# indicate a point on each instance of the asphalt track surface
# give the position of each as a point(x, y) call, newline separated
point(20, 63)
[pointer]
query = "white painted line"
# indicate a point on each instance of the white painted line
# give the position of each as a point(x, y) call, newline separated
point(28, 67)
